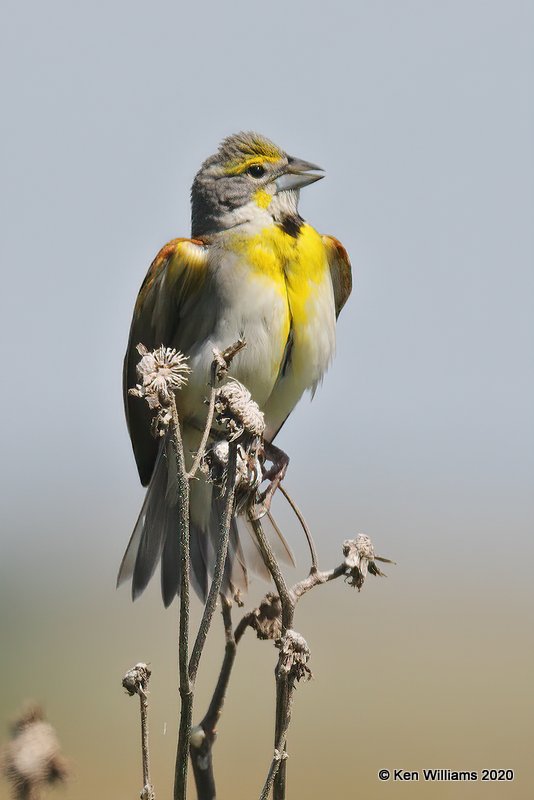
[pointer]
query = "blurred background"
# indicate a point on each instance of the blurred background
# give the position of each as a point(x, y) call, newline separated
point(421, 436)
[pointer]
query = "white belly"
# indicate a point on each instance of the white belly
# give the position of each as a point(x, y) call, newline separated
point(245, 304)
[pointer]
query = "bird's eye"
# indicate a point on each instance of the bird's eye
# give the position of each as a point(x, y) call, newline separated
point(256, 170)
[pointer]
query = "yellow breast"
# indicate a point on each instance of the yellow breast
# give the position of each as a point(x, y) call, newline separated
point(296, 265)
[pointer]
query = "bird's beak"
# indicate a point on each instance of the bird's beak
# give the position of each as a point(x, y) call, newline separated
point(297, 175)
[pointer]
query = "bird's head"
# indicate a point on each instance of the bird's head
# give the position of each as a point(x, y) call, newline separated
point(248, 179)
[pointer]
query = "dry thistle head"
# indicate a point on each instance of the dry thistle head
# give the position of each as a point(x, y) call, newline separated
point(294, 655)
point(162, 372)
point(359, 559)
point(237, 411)
point(267, 618)
point(248, 468)
point(136, 679)
point(33, 757)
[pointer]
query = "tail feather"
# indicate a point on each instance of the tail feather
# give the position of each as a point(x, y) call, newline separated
point(278, 541)
point(146, 542)
point(155, 532)
point(156, 538)
point(170, 567)
point(250, 547)
point(200, 559)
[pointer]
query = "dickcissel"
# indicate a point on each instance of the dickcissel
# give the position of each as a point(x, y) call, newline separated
point(253, 269)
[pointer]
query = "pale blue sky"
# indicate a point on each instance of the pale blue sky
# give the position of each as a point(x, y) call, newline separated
point(422, 114)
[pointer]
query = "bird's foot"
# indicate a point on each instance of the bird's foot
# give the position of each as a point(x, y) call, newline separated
point(274, 475)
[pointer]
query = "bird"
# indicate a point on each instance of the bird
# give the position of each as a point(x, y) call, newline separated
point(252, 269)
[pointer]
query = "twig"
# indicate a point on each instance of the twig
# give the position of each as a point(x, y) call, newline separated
point(359, 559)
point(215, 707)
point(186, 693)
point(136, 682)
point(189, 666)
point(284, 699)
point(219, 366)
point(283, 689)
point(161, 373)
point(315, 578)
point(266, 622)
point(203, 735)
point(279, 756)
point(274, 568)
point(222, 549)
point(209, 422)
point(304, 524)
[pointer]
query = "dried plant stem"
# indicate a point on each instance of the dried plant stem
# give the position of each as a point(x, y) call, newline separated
point(284, 698)
point(285, 684)
point(222, 550)
point(304, 524)
point(219, 365)
point(284, 689)
point(317, 577)
point(186, 692)
point(279, 757)
point(272, 565)
point(136, 682)
point(203, 737)
point(209, 422)
point(148, 790)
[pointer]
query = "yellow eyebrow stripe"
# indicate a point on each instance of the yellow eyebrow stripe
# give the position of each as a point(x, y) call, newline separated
point(238, 167)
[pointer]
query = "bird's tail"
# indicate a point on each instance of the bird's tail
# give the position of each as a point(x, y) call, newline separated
point(156, 538)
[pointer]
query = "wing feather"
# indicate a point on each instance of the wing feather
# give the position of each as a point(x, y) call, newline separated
point(340, 270)
point(175, 276)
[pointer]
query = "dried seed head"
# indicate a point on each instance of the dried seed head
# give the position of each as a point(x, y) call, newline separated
point(359, 559)
point(136, 679)
point(237, 411)
point(294, 655)
point(160, 372)
point(33, 757)
point(267, 619)
point(248, 469)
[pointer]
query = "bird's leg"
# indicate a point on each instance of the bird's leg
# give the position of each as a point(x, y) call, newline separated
point(274, 475)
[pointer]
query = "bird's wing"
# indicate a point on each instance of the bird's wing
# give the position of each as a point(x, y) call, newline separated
point(340, 270)
point(173, 281)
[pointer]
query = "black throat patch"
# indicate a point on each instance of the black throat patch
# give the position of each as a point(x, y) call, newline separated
point(291, 224)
